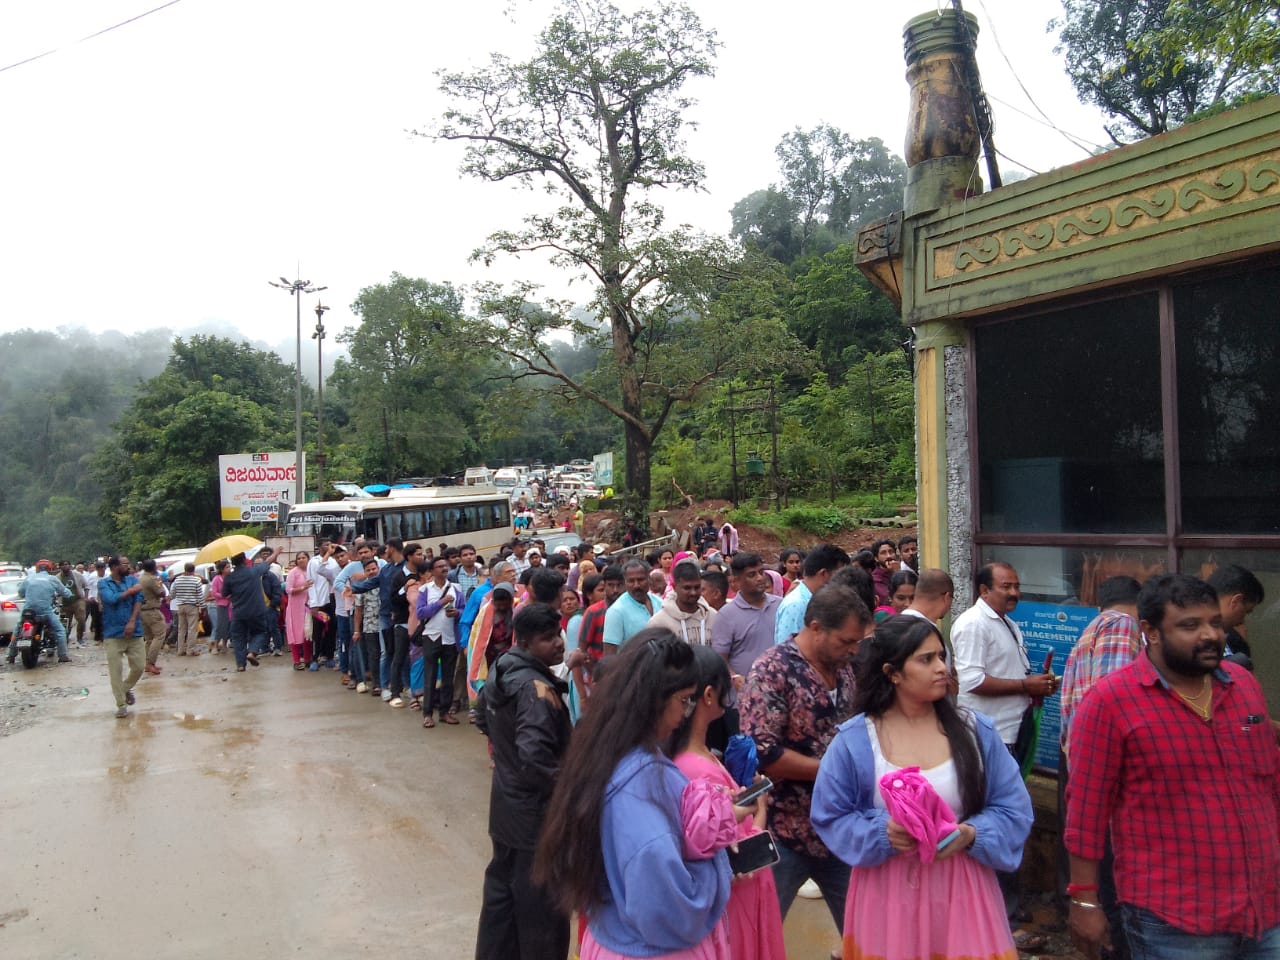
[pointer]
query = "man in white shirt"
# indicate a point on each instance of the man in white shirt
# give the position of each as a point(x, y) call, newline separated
point(995, 673)
point(991, 658)
point(322, 571)
point(518, 558)
point(439, 607)
point(92, 605)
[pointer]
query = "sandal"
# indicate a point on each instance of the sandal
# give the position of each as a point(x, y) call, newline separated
point(415, 704)
point(396, 702)
point(450, 718)
point(376, 691)
point(429, 722)
point(299, 666)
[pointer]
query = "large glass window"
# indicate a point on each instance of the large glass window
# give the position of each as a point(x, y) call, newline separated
point(1069, 427)
point(1228, 348)
point(1071, 575)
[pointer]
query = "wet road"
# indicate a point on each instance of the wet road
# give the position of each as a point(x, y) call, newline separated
point(255, 815)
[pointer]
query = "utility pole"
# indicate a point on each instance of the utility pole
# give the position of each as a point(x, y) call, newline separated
point(318, 337)
point(298, 288)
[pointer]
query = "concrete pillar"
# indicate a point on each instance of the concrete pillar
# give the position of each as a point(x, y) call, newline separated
point(942, 151)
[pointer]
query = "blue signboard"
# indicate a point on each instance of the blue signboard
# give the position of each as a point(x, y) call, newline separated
point(1050, 627)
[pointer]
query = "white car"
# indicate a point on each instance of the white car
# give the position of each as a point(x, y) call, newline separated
point(10, 606)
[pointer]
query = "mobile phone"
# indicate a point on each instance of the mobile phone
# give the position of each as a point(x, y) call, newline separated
point(755, 852)
point(757, 789)
point(948, 838)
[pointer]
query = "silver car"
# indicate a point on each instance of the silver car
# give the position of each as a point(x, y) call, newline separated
point(10, 606)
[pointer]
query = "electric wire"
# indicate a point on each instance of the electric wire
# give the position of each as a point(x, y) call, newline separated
point(1090, 148)
point(98, 33)
point(1080, 143)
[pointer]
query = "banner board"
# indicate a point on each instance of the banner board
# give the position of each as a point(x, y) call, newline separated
point(253, 485)
point(1050, 627)
point(602, 470)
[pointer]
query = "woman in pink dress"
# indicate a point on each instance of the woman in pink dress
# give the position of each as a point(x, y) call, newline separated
point(296, 585)
point(755, 921)
point(913, 896)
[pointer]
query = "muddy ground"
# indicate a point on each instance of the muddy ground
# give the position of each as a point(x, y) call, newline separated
point(253, 816)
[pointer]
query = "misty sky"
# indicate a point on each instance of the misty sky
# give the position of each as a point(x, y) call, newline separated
point(160, 174)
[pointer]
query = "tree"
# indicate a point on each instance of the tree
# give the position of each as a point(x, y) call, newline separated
point(1243, 32)
point(215, 396)
point(1135, 58)
point(836, 312)
point(596, 117)
point(830, 184)
point(410, 382)
point(766, 219)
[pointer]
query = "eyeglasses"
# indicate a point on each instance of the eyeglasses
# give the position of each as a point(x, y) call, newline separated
point(690, 704)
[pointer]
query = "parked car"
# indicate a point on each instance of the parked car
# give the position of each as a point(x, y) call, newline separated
point(10, 606)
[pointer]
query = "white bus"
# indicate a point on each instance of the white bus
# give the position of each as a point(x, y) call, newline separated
point(477, 515)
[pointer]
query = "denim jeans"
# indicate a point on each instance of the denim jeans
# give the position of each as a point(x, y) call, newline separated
point(344, 644)
point(355, 660)
point(247, 634)
point(53, 626)
point(1151, 938)
point(829, 873)
point(384, 661)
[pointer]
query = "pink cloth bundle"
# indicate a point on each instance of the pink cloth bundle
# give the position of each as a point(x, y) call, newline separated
point(917, 808)
point(706, 813)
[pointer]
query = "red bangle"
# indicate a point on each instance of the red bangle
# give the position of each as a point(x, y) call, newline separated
point(1074, 888)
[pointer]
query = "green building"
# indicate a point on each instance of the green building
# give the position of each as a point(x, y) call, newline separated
point(1097, 350)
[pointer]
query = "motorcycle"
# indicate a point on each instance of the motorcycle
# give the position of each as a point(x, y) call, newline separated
point(33, 638)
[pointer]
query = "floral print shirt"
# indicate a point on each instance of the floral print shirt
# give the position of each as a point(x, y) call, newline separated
point(786, 706)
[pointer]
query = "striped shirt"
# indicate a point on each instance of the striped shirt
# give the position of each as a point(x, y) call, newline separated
point(187, 588)
point(1111, 641)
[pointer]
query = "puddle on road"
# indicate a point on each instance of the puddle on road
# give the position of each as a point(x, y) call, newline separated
point(126, 772)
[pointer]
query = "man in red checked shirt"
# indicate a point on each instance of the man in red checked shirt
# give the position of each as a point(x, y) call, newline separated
point(1176, 753)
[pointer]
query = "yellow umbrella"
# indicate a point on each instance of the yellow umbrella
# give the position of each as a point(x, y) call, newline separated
point(226, 547)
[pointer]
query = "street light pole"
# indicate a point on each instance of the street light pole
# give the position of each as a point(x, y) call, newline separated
point(298, 288)
point(318, 337)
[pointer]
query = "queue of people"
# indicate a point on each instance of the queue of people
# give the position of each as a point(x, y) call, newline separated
point(630, 704)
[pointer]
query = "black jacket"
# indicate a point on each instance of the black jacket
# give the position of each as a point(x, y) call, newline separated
point(521, 710)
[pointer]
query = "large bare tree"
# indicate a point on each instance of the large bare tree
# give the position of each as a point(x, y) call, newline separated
point(596, 118)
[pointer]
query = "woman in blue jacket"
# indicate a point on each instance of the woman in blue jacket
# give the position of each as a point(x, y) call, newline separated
point(906, 903)
point(612, 844)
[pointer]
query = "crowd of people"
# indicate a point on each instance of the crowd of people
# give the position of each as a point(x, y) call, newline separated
point(629, 701)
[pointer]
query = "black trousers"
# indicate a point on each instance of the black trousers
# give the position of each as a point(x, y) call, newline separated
point(399, 655)
point(94, 609)
point(325, 642)
point(445, 657)
point(372, 646)
point(518, 921)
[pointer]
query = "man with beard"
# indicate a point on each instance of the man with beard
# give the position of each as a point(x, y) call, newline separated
point(1174, 753)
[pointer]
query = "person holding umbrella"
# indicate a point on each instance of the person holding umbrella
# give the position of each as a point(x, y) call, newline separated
point(906, 725)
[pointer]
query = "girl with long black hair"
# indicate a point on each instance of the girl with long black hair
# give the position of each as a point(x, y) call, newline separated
point(612, 845)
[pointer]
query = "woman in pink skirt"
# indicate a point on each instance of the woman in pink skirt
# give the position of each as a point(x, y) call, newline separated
point(755, 920)
point(296, 585)
point(914, 896)
point(613, 843)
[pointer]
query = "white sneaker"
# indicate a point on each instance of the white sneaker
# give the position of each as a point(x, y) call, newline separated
point(362, 687)
point(809, 890)
point(386, 696)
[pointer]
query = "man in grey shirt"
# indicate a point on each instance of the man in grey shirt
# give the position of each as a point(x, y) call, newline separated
point(745, 625)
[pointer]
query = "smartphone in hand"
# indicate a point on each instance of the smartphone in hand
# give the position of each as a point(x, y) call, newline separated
point(753, 792)
point(754, 853)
